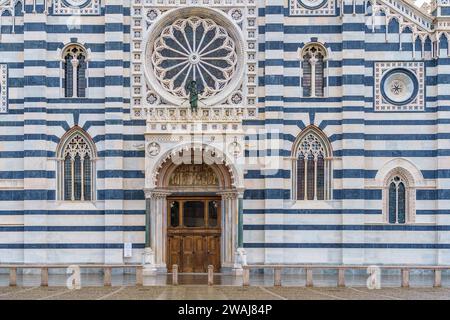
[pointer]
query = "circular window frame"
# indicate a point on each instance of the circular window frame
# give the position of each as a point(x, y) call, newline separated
point(320, 5)
point(169, 17)
point(71, 4)
point(408, 73)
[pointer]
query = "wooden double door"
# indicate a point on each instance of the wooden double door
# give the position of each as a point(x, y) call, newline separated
point(194, 231)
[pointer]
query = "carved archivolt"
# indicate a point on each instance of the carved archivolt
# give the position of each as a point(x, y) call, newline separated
point(227, 173)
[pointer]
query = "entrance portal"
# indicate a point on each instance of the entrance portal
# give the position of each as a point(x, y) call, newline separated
point(193, 233)
point(192, 211)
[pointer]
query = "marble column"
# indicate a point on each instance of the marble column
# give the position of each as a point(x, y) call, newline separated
point(240, 255)
point(232, 204)
point(154, 259)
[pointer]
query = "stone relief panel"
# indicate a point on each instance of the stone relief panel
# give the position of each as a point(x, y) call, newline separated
point(200, 175)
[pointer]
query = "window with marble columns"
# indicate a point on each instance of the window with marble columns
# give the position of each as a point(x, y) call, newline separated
point(74, 67)
point(76, 167)
point(313, 68)
point(312, 167)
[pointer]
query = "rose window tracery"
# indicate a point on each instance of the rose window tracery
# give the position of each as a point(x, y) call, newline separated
point(197, 49)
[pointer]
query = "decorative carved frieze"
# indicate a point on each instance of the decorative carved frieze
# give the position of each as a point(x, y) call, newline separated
point(3, 88)
point(404, 13)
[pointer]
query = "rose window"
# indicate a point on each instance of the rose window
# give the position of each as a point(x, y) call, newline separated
point(197, 49)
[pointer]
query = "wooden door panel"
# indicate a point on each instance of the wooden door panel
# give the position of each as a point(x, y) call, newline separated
point(188, 254)
point(199, 254)
point(213, 243)
point(174, 256)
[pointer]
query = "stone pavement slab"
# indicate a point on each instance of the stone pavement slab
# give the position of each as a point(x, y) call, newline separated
point(201, 292)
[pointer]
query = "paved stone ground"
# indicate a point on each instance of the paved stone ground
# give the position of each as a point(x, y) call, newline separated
point(201, 292)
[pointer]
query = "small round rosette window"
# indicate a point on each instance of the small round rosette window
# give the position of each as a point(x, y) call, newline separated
point(399, 86)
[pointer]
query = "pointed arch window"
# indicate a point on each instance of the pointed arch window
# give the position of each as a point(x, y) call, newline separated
point(312, 168)
point(313, 66)
point(77, 168)
point(74, 68)
point(397, 202)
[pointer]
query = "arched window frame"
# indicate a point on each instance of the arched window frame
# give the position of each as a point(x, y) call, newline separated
point(442, 38)
point(326, 151)
point(76, 143)
point(78, 75)
point(397, 176)
point(320, 49)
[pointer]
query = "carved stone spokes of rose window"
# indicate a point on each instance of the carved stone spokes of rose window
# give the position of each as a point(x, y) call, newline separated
point(194, 49)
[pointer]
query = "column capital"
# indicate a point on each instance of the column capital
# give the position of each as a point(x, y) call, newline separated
point(229, 194)
point(240, 192)
point(156, 193)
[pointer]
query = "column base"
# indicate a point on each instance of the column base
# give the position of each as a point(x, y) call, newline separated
point(240, 258)
point(148, 262)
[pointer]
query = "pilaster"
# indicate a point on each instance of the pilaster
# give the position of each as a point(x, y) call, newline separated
point(36, 191)
point(116, 92)
point(353, 192)
point(154, 256)
point(271, 159)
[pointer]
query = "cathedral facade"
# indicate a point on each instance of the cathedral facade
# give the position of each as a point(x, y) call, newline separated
point(224, 132)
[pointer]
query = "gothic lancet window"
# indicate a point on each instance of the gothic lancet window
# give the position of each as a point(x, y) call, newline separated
point(76, 169)
point(397, 200)
point(313, 66)
point(74, 68)
point(312, 168)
